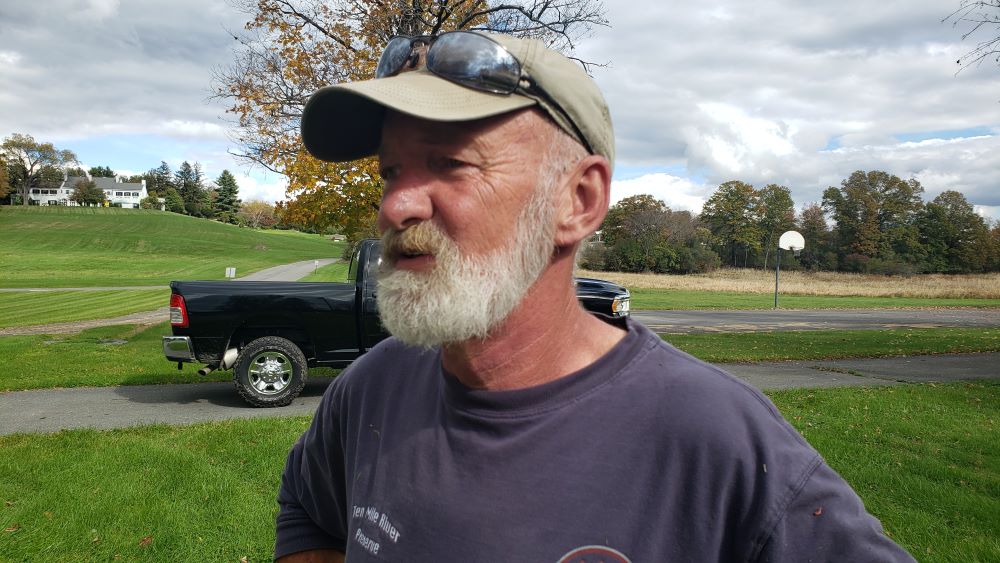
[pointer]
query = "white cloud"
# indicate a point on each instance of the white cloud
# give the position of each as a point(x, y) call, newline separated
point(680, 194)
point(991, 212)
point(98, 9)
point(182, 128)
point(9, 58)
point(269, 188)
point(754, 91)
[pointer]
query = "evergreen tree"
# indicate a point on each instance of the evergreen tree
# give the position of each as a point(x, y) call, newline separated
point(102, 172)
point(188, 181)
point(159, 180)
point(173, 200)
point(226, 203)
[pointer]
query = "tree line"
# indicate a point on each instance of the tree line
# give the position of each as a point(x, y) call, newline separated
point(874, 222)
point(26, 164)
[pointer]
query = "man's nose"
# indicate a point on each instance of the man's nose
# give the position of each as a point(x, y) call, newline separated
point(405, 202)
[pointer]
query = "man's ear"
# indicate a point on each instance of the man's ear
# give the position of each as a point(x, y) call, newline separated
point(589, 193)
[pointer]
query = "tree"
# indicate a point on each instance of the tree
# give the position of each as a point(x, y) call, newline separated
point(732, 214)
point(291, 48)
point(956, 238)
point(257, 214)
point(86, 192)
point(102, 172)
point(190, 186)
point(149, 202)
point(813, 228)
point(777, 215)
point(4, 178)
point(978, 15)
point(159, 180)
point(36, 160)
point(226, 203)
point(173, 200)
point(642, 234)
point(875, 214)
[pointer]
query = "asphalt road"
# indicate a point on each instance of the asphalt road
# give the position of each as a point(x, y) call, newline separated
point(51, 410)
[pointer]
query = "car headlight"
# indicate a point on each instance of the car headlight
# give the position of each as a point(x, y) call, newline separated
point(620, 306)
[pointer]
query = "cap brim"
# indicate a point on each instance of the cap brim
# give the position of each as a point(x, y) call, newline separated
point(344, 122)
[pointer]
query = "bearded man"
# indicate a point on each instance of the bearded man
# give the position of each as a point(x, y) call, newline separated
point(502, 422)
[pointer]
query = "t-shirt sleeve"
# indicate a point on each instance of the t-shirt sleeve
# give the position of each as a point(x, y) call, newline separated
point(826, 521)
point(312, 497)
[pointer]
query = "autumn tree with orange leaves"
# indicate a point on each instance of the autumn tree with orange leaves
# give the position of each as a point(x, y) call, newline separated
point(291, 48)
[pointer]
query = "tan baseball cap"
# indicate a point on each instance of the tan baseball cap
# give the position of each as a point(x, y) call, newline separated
point(344, 122)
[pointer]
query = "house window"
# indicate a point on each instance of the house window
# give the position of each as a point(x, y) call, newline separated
point(118, 194)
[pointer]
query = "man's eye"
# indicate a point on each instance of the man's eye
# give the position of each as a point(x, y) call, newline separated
point(448, 163)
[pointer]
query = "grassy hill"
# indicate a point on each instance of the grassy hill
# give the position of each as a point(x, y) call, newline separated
point(88, 247)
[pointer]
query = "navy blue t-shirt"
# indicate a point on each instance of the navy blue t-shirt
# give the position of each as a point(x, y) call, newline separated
point(647, 455)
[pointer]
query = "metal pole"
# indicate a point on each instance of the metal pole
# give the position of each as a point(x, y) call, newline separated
point(777, 269)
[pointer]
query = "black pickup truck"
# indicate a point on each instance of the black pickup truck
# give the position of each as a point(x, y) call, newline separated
point(270, 333)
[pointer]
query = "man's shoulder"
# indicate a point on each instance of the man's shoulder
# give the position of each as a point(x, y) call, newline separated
point(698, 398)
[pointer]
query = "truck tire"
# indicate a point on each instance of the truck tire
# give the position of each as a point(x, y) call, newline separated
point(270, 372)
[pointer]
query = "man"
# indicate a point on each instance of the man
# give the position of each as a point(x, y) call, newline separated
point(503, 422)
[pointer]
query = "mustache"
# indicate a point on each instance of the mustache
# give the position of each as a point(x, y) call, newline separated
point(422, 238)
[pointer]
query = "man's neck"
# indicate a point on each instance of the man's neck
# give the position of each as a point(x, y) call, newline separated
point(548, 336)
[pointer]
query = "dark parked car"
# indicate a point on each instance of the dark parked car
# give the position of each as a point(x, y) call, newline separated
point(270, 333)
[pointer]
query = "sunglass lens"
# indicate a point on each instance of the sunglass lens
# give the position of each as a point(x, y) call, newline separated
point(393, 57)
point(474, 61)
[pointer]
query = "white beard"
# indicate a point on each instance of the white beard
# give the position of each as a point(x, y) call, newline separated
point(462, 298)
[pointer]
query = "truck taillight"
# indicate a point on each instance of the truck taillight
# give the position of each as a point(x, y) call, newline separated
point(178, 311)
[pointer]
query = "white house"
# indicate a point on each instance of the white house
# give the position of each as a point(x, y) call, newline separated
point(117, 193)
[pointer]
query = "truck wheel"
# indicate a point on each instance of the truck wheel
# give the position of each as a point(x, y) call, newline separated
point(270, 372)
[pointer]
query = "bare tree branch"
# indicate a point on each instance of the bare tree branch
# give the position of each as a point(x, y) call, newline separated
point(978, 14)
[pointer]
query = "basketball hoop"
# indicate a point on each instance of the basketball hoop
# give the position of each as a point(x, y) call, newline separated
point(790, 240)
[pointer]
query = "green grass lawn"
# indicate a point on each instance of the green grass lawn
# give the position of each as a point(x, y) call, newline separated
point(201, 493)
point(44, 307)
point(88, 247)
point(832, 344)
point(336, 272)
point(919, 456)
point(127, 355)
point(922, 457)
point(667, 299)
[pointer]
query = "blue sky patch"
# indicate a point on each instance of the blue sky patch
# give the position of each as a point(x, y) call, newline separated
point(945, 134)
point(632, 172)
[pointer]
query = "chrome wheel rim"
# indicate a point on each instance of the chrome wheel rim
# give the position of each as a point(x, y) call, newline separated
point(270, 372)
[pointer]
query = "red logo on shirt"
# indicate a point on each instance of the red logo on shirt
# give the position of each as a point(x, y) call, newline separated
point(594, 554)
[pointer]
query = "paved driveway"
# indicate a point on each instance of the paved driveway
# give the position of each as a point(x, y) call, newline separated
point(50, 410)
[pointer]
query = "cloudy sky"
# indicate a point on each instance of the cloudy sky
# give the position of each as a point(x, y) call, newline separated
point(772, 91)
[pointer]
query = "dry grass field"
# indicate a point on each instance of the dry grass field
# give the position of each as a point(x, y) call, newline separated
point(735, 280)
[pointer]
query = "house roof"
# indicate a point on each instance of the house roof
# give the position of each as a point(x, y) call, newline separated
point(112, 184)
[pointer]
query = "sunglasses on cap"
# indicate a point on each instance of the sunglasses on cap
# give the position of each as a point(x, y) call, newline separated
point(467, 59)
